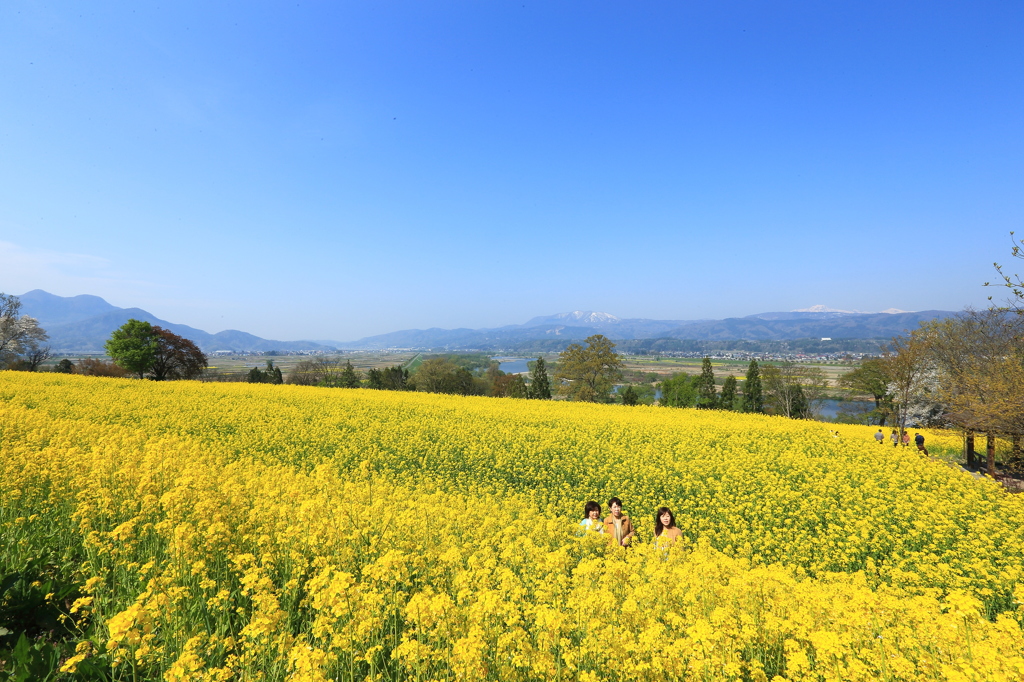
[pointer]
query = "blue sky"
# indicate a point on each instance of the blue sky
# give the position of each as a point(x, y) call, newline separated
point(333, 170)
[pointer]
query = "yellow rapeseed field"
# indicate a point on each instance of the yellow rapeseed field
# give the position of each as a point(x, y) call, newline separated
point(259, 532)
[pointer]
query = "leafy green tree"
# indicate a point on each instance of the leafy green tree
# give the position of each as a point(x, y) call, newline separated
point(441, 375)
point(873, 378)
point(540, 386)
point(65, 366)
point(270, 375)
point(588, 374)
point(707, 396)
point(753, 392)
point(728, 398)
point(629, 396)
point(389, 379)
point(133, 346)
point(679, 391)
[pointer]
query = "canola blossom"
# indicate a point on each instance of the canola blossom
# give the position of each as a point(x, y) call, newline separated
point(239, 532)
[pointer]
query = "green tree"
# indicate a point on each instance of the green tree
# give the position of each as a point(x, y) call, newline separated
point(270, 375)
point(707, 396)
point(133, 346)
point(588, 374)
point(629, 396)
point(349, 377)
point(680, 390)
point(65, 366)
point(540, 386)
point(728, 398)
point(753, 393)
point(388, 379)
point(873, 378)
point(441, 375)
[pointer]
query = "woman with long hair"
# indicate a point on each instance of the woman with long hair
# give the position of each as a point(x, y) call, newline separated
point(665, 531)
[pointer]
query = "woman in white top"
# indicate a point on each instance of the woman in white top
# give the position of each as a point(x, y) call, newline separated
point(592, 517)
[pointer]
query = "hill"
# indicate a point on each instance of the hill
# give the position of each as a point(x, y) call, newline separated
point(84, 323)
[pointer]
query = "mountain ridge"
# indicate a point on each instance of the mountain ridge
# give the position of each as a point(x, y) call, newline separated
point(85, 322)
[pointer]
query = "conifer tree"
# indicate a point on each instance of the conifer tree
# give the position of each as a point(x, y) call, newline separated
point(753, 394)
point(707, 397)
point(540, 387)
point(629, 396)
point(728, 396)
point(349, 377)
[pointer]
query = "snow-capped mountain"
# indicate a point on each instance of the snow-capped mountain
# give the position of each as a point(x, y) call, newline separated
point(576, 318)
point(826, 309)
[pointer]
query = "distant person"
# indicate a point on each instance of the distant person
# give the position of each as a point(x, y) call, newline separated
point(895, 438)
point(919, 441)
point(879, 436)
point(617, 525)
point(906, 439)
point(665, 531)
point(592, 517)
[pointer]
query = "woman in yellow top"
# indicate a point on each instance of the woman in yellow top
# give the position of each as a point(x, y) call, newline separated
point(665, 531)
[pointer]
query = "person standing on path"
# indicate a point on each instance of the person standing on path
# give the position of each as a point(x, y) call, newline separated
point(879, 436)
point(919, 441)
point(617, 525)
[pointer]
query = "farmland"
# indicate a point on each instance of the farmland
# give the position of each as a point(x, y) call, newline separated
point(236, 531)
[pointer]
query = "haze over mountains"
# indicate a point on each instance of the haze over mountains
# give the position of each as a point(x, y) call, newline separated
point(84, 323)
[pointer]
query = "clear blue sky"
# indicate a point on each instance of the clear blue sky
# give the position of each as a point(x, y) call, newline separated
point(333, 170)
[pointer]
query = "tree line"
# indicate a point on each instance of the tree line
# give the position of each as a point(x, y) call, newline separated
point(452, 374)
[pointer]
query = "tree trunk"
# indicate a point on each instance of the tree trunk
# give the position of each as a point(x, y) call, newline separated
point(971, 459)
point(990, 450)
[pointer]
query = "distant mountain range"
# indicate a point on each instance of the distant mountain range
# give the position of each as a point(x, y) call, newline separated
point(84, 323)
point(819, 322)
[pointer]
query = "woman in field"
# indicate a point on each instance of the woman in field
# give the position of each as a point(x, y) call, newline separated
point(592, 517)
point(665, 531)
point(617, 525)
